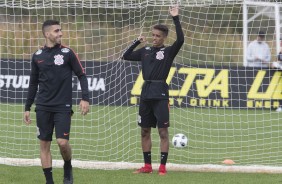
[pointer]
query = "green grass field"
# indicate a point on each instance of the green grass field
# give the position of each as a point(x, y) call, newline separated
point(249, 137)
point(34, 175)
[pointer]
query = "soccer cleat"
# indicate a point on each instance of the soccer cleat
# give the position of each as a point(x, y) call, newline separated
point(279, 109)
point(162, 170)
point(146, 169)
point(68, 179)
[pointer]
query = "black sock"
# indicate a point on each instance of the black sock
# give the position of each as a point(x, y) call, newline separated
point(67, 164)
point(147, 157)
point(67, 168)
point(164, 157)
point(48, 175)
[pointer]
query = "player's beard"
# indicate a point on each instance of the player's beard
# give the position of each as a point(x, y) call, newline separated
point(55, 41)
point(58, 40)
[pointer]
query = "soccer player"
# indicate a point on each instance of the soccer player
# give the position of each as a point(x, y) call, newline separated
point(154, 104)
point(51, 70)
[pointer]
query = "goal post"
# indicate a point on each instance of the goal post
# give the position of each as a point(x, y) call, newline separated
point(226, 110)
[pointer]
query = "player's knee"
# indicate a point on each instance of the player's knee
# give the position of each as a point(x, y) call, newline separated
point(163, 133)
point(164, 136)
point(45, 146)
point(145, 132)
point(63, 143)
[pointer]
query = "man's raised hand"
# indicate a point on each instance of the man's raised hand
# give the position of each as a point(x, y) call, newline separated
point(142, 39)
point(174, 10)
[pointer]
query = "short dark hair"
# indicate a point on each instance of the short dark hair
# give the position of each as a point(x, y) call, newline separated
point(261, 34)
point(48, 23)
point(162, 28)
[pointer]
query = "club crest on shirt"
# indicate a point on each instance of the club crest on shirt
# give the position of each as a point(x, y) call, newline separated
point(160, 55)
point(38, 52)
point(58, 59)
point(65, 50)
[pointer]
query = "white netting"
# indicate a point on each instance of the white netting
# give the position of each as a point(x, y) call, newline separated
point(224, 109)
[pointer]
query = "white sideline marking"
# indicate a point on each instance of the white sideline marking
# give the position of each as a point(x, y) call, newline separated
point(128, 165)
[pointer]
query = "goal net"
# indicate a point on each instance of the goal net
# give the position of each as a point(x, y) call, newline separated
point(226, 110)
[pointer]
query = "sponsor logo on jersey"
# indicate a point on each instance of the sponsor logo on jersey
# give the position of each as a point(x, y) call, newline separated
point(40, 61)
point(160, 55)
point(59, 59)
point(148, 48)
point(65, 50)
point(38, 52)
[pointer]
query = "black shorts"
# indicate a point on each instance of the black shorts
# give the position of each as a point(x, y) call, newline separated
point(154, 113)
point(47, 121)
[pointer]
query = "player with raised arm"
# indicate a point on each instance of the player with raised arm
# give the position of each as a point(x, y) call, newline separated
point(51, 70)
point(154, 104)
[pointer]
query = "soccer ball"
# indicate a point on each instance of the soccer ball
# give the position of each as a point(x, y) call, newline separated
point(179, 141)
